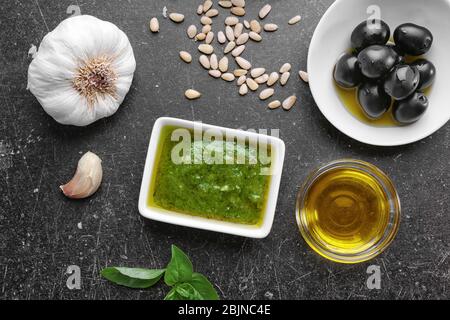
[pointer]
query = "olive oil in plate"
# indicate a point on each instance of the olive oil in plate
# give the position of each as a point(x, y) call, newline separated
point(349, 99)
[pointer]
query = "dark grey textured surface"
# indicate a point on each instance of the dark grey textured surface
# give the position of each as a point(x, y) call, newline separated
point(39, 236)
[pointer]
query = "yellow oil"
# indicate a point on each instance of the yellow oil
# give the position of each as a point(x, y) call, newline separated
point(346, 211)
point(350, 101)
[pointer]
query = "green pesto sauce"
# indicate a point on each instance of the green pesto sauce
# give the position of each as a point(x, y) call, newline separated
point(227, 192)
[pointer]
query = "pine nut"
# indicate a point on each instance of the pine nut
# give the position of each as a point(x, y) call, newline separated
point(243, 38)
point(240, 72)
point(176, 17)
point(270, 27)
point(231, 21)
point(244, 64)
point(304, 76)
point(285, 68)
point(221, 37)
point(289, 102)
point(238, 3)
point(238, 11)
point(228, 77)
point(229, 33)
point(255, 26)
point(256, 72)
point(284, 78)
point(213, 62)
point(238, 51)
point(262, 79)
point(215, 73)
point(209, 37)
point(266, 94)
point(225, 4)
point(207, 5)
point(191, 31)
point(186, 56)
point(274, 104)
point(192, 94)
point(206, 28)
point(200, 37)
point(273, 78)
point(252, 84)
point(229, 47)
point(223, 64)
point(265, 11)
point(241, 80)
point(205, 20)
point(243, 89)
point(212, 13)
point(255, 36)
point(238, 29)
point(206, 48)
point(154, 25)
point(204, 61)
point(295, 20)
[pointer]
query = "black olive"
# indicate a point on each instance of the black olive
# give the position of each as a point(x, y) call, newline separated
point(376, 61)
point(398, 53)
point(370, 32)
point(411, 109)
point(347, 72)
point(402, 81)
point(413, 39)
point(373, 100)
point(427, 72)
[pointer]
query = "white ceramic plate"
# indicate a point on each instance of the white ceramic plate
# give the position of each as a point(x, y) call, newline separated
point(159, 214)
point(332, 37)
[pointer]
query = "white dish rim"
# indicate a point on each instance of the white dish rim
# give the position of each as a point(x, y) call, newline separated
point(381, 136)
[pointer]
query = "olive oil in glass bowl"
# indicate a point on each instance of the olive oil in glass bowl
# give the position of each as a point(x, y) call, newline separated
point(348, 211)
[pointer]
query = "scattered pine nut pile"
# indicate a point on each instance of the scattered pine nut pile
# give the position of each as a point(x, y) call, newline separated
point(233, 39)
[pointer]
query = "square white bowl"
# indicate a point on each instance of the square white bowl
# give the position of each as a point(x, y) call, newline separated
point(167, 216)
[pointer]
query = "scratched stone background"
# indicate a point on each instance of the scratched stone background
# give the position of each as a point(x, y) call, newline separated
point(42, 232)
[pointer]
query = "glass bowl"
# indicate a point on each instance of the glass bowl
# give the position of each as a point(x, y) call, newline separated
point(372, 247)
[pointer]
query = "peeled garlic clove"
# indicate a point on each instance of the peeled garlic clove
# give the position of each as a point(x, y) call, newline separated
point(87, 178)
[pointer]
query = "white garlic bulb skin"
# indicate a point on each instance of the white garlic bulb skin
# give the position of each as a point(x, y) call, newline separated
point(82, 71)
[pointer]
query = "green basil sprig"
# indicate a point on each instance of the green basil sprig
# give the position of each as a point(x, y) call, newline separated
point(136, 278)
point(179, 275)
point(179, 269)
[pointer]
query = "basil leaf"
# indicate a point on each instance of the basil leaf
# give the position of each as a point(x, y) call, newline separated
point(202, 285)
point(179, 268)
point(183, 291)
point(174, 295)
point(186, 290)
point(136, 278)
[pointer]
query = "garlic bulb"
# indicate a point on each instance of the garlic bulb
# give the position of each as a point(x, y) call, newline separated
point(82, 70)
point(87, 178)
